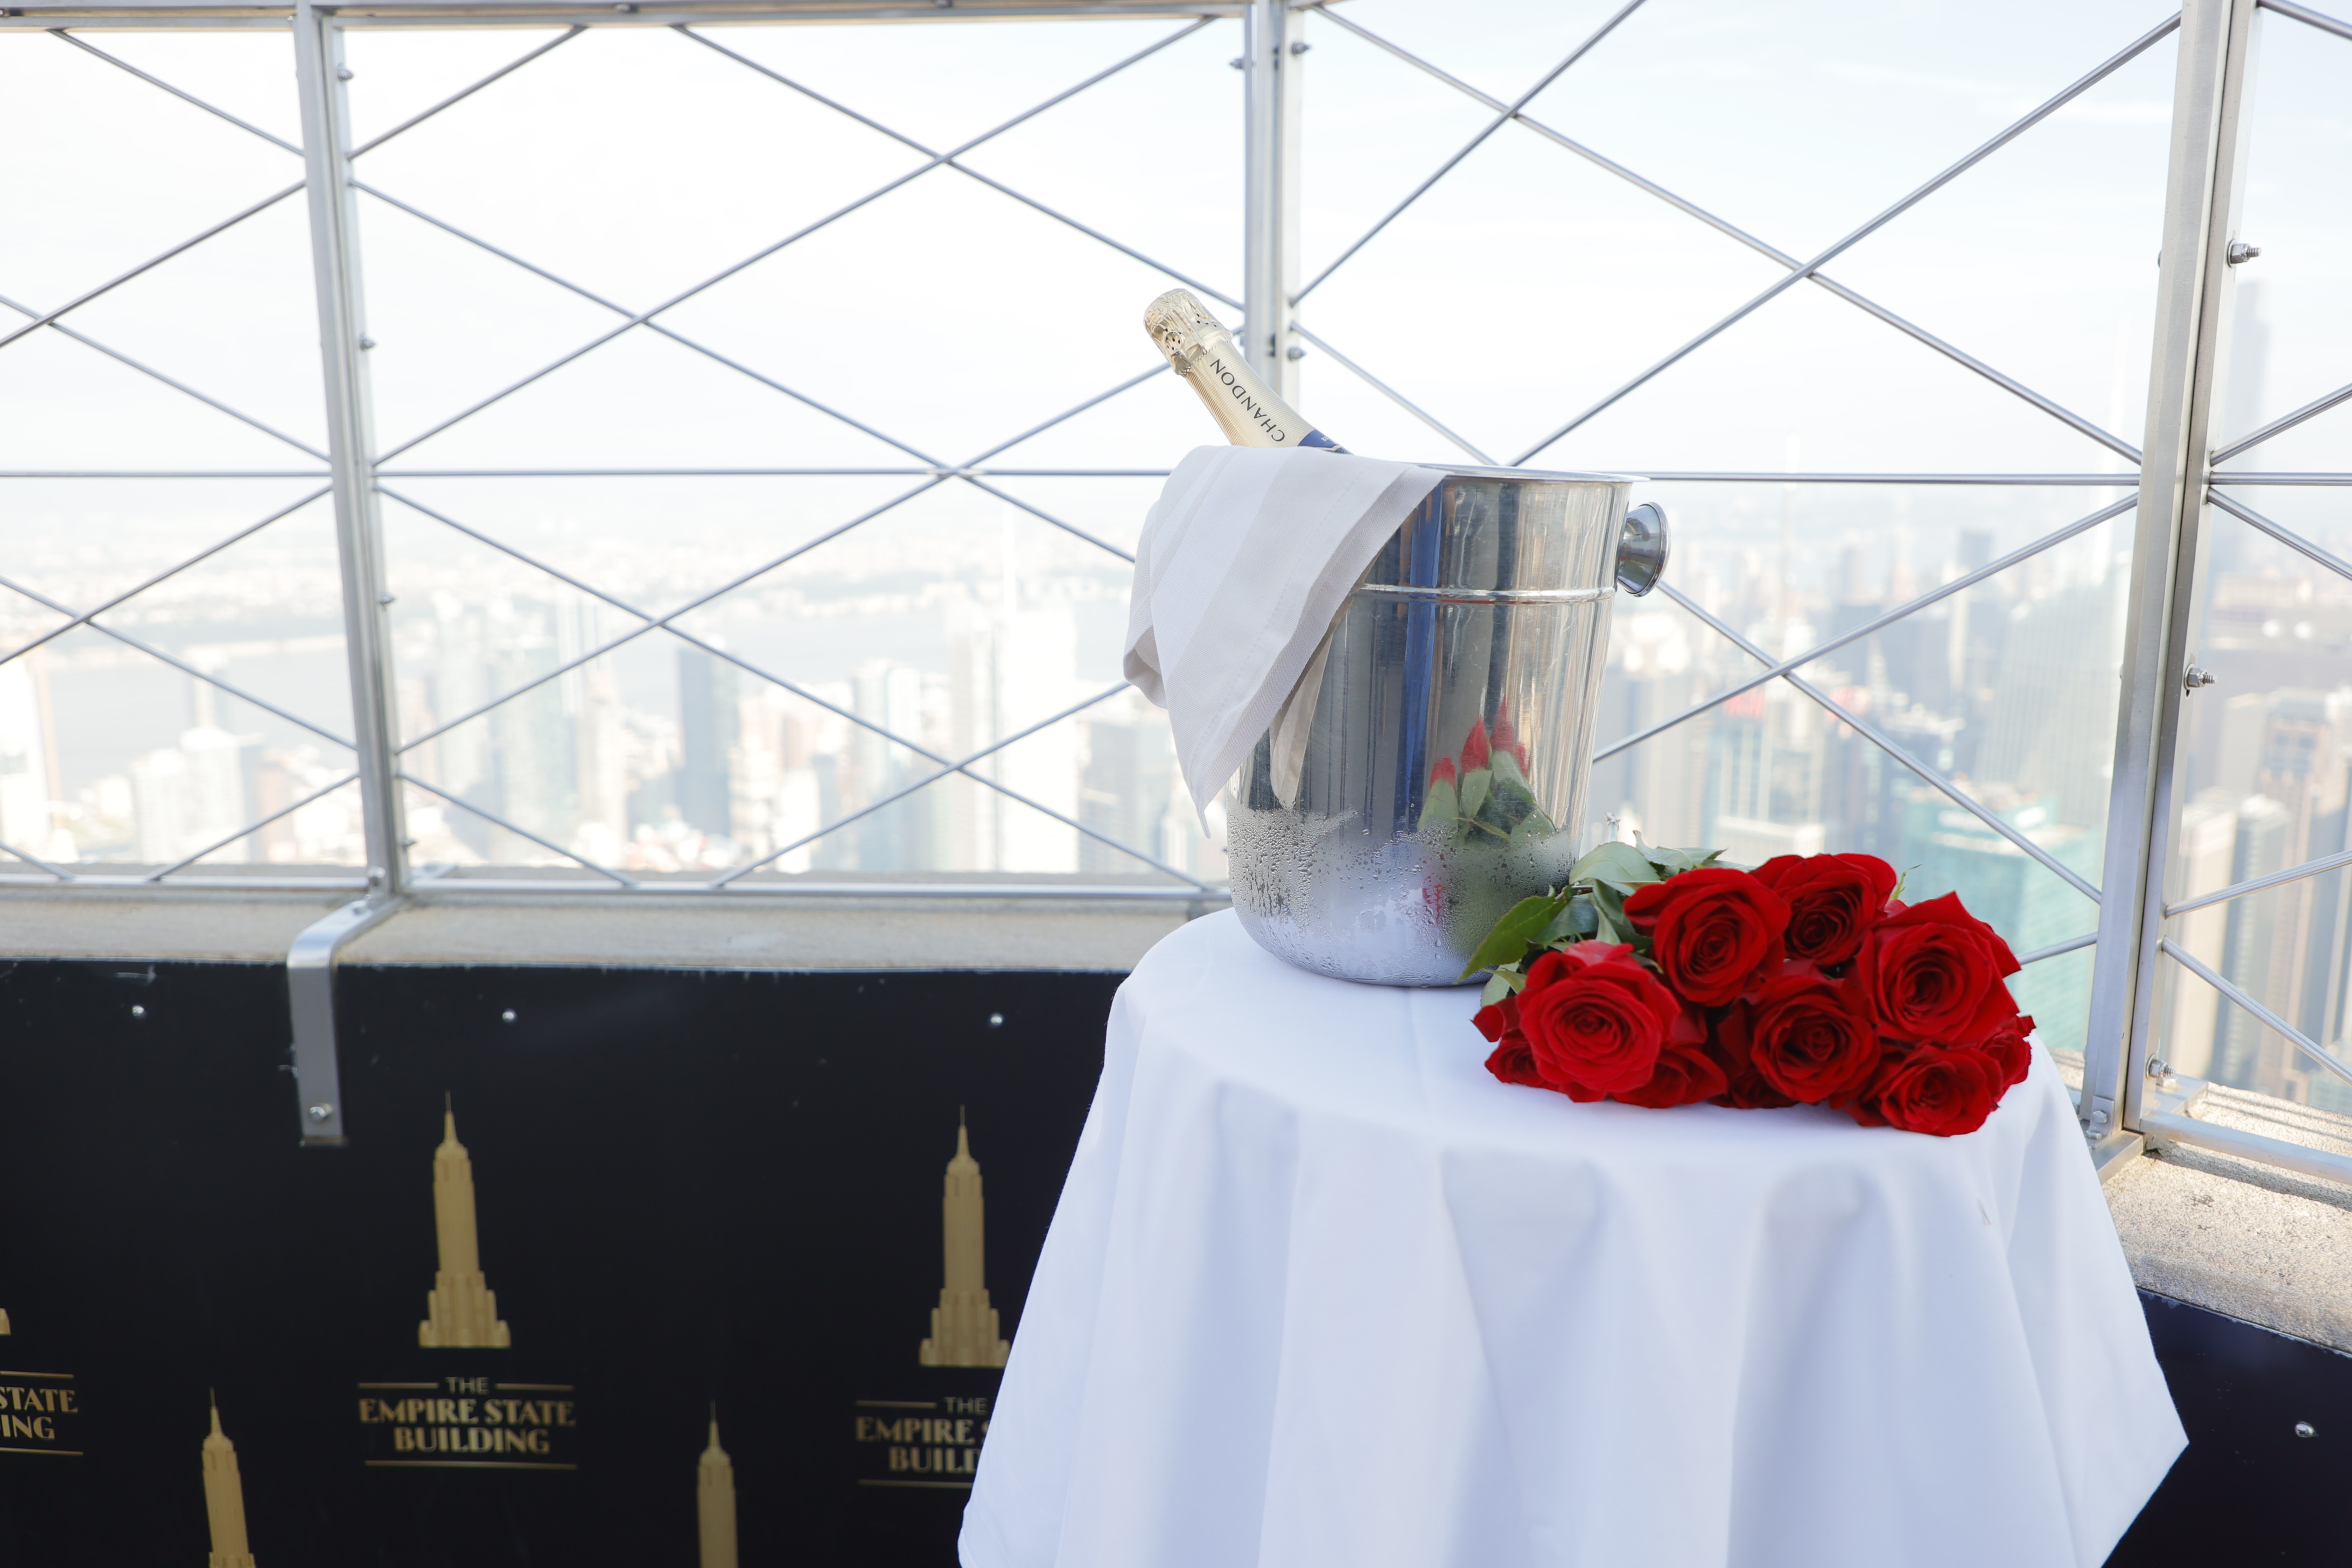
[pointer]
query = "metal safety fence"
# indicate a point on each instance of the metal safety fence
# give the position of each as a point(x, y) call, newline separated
point(2172, 473)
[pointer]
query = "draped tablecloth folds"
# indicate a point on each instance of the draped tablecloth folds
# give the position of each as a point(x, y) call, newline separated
point(1321, 1291)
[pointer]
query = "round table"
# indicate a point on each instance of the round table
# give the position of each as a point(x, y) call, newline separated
point(1321, 1291)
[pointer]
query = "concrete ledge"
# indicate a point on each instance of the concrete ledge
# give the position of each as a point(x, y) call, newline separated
point(832, 932)
point(2252, 1241)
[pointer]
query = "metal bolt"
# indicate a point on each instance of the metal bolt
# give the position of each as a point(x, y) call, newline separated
point(996, 1020)
point(1300, 46)
point(2197, 676)
point(387, 599)
point(1294, 352)
point(320, 1111)
point(508, 1016)
point(624, 7)
point(343, 73)
point(376, 878)
point(137, 1011)
point(1235, 62)
point(2240, 252)
point(2306, 1429)
point(2159, 1067)
point(367, 342)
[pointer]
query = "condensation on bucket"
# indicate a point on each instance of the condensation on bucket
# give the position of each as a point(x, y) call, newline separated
point(1430, 770)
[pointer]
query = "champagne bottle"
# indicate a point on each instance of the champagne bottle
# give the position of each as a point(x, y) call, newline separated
point(1248, 411)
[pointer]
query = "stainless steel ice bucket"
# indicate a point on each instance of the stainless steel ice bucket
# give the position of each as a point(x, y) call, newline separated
point(1429, 770)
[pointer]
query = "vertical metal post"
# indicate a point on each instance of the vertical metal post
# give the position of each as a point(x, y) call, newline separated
point(1273, 63)
point(320, 75)
point(2161, 612)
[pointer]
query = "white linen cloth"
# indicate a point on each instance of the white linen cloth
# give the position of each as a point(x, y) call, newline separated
point(1321, 1293)
point(1243, 565)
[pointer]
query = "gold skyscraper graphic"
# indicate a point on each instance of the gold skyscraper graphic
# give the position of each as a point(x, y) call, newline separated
point(461, 1310)
point(714, 1494)
point(963, 1325)
point(225, 1499)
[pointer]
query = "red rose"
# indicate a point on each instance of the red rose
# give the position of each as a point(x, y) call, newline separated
point(1929, 1090)
point(1833, 901)
point(1512, 1060)
point(1810, 1038)
point(2011, 1051)
point(1934, 972)
point(1745, 1088)
point(1686, 1073)
point(1595, 1018)
point(1712, 931)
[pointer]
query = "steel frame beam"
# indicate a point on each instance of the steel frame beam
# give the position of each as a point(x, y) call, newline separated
point(2204, 185)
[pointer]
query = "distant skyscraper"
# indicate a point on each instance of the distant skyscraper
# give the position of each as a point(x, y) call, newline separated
point(2202, 853)
point(26, 785)
point(963, 1325)
point(533, 751)
point(1947, 850)
point(225, 1501)
point(708, 721)
point(1124, 792)
point(461, 1310)
point(2053, 731)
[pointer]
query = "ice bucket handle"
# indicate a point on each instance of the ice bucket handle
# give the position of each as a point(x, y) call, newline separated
point(1642, 548)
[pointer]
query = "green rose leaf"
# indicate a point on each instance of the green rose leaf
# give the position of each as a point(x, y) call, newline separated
point(1609, 908)
point(1620, 865)
point(1515, 933)
point(1576, 921)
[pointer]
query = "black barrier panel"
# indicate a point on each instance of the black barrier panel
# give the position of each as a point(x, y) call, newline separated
point(2250, 1488)
point(688, 1189)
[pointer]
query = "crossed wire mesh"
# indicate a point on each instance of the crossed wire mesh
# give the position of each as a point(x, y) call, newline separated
point(1787, 670)
point(935, 471)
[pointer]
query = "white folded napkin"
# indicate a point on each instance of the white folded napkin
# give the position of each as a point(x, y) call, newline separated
point(1242, 566)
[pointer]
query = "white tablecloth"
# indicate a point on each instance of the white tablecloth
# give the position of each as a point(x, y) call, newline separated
point(1321, 1291)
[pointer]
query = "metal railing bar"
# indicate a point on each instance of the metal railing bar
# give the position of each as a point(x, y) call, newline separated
point(1885, 742)
point(151, 263)
point(924, 783)
point(250, 827)
point(2003, 139)
point(1044, 516)
point(57, 872)
point(1066, 415)
point(208, 15)
point(942, 472)
point(152, 651)
point(2286, 536)
point(1734, 231)
point(1767, 476)
point(789, 885)
point(1469, 147)
point(950, 158)
point(148, 369)
point(2279, 477)
point(2307, 16)
point(494, 818)
point(2318, 867)
point(740, 663)
point(278, 142)
point(1944, 591)
point(2288, 1031)
point(2285, 422)
point(2059, 949)
point(792, 239)
point(652, 624)
point(82, 618)
point(674, 336)
point(163, 474)
point(1392, 394)
point(415, 120)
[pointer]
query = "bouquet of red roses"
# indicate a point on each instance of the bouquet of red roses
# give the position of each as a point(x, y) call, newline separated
point(1657, 977)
